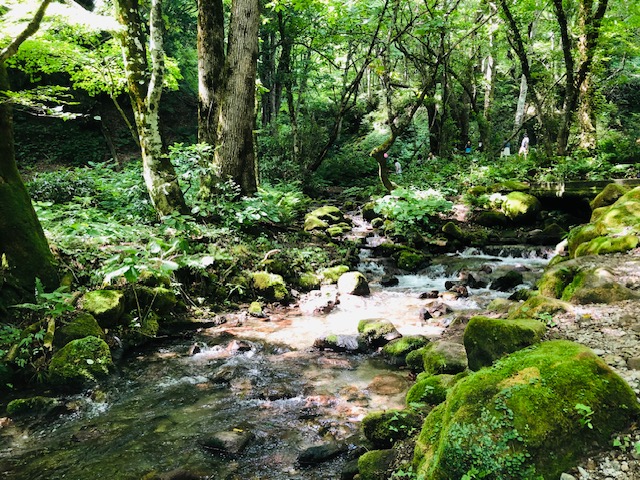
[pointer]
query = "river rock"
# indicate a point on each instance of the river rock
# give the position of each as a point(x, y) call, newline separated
point(230, 443)
point(80, 363)
point(429, 389)
point(518, 418)
point(339, 343)
point(81, 325)
point(507, 282)
point(319, 302)
point(321, 453)
point(389, 281)
point(106, 306)
point(376, 464)
point(383, 429)
point(388, 384)
point(396, 351)
point(270, 286)
point(376, 332)
point(521, 207)
point(443, 356)
point(32, 406)
point(436, 309)
point(488, 339)
point(353, 283)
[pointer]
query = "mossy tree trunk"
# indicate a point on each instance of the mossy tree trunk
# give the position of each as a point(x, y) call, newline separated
point(145, 90)
point(24, 251)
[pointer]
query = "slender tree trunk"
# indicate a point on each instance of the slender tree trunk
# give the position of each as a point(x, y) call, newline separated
point(521, 105)
point(145, 90)
point(236, 154)
point(587, 116)
point(24, 251)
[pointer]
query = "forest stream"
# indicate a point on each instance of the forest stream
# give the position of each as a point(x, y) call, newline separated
point(259, 378)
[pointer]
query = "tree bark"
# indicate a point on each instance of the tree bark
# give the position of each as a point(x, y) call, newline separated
point(24, 251)
point(145, 90)
point(235, 152)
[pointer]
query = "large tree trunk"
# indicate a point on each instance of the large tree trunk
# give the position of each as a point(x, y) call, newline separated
point(24, 251)
point(145, 90)
point(236, 154)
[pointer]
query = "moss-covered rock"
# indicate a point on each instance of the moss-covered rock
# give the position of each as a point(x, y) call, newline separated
point(551, 235)
point(539, 305)
point(324, 218)
point(270, 286)
point(620, 219)
point(159, 299)
point(521, 207)
point(369, 211)
point(607, 244)
point(307, 281)
point(521, 418)
point(492, 218)
point(411, 261)
point(429, 389)
point(608, 196)
point(488, 339)
point(415, 359)
point(596, 285)
point(255, 309)
point(376, 464)
point(556, 278)
point(353, 283)
point(106, 306)
point(79, 326)
point(376, 332)
point(396, 350)
point(508, 281)
point(32, 406)
point(80, 363)
point(452, 230)
point(443, 356)
point(383, 429)
point(332, 274)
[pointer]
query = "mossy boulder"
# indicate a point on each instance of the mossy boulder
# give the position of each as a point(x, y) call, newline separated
point(369, 211)
point(32, 406)
point(383, 429)
point(521, 418)
point(80, 363)
point(255, 309)
point(508, 281)
point(492, 218)
point(521, 207)
point(488, 339)
point(332, 274)
point(415, 359)
point(411, 261)
point(159, 299)
point(324, 218)
point(376, 464)
point(454, 231)
point(429, 389)
point(79, 326)
point(597, 285)
point(556, 278)
point(396, 350)
point(539, 305)
point(551, 235)
point(443, 356)
point(106, 306)
point(139, 332)
point(353, 283)
point(377, 332)
point(307, 281)
point(270, 286)
point(621, 219)
point(608, 196)
point(607, 244)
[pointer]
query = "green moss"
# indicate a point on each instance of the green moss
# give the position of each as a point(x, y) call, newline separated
point(539, 305)
point(255, 308)
point(313, 223)
point(608, 196)
point(491, 218)
point(604, 245)
point(397, 350)
point(332, 274)
point(488, 339)
point(415, 359)
point(519, 206)
point(555, 279)
point(329, 214)
point(31, 406)
point(454, 231)
point(596, 285)
point(518, 419)
point(270, 286)
point(80, 362)
point(429, 389)
point(107, 306)
point(377, 332)
point(309, 281)
point(444, 357)
point(80, 326)
point(383, 429)
point(411, 261)
point(375, 464)
point(353, 283)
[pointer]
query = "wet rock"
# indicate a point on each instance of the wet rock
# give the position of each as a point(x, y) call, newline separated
point(429, 389)
point(438, 309)
point(551, 235)
point(376, 464)
point(461, 290)
point(319, 302)
point(389, 281)
point(376, 332)
point(353, 283)
point(520, 206)
point(429, 294)
point(444, 356)
point(507, 282)
point(106, 306)
point(80, 363)
point(32, 406)
point(396, 350)
point(338, 343)
point(229, 443)
point(81, 325)
point(256, 310)
point(270, 286)
point(321, 453)
point(383, 429)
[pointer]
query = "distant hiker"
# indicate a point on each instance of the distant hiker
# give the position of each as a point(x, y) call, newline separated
point(398, 167)
point(467, 149)
point(524, 146)
point(506, 151)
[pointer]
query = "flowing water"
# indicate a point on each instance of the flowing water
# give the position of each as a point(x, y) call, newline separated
point(157, 413)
